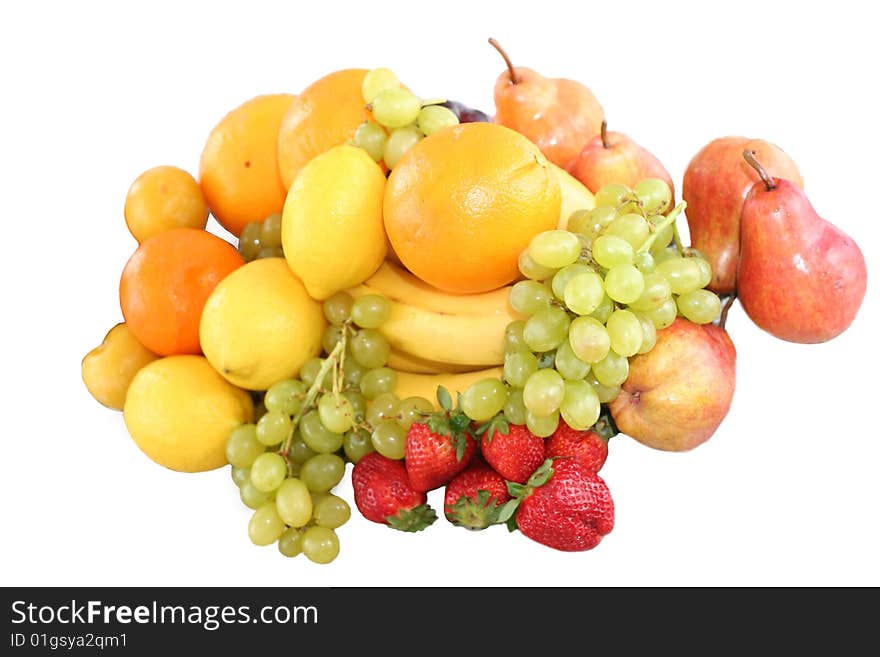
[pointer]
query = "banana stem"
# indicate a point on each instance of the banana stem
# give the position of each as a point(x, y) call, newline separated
point(669, 220)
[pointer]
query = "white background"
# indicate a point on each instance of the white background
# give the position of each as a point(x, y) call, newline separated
point(785, 493)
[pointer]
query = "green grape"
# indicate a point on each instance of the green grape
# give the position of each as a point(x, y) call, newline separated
point(579, 222)
point(555, 248)
point(613, 195)
point(705, 271)
point(606, 307)
point(663, 239)
point(270, 230)
point(519, 366)
point(604, 393)
point(316, 435)
point(654, 195)
point(395, 107)
point(434, 118)
point(528, 297)
point(242, 446)
point(330, 511)
point(546, 329)
point(293, 502)
point(320, 544)
point(655, 293)
point(252, 497)
point(265, 526)
point(542, 426)
point(309, 373)
point(332, 335)
point(376, 81)
point(584, 293)
point(372, 138)
point(631, 227)
point(483, 399)
point(531, 269)
point(515, 407)
point(249, 243)
point(625, 332)
point(589, 339)
point(285, 396)
point(580, 406)
point(699, 306)
point(663, 315)
point(353, 371)
point(273, 428)
point(337, 308)
point(383, 407)
point(270, 252)
point(399, 142)
point(569, 366)
point(683, 274)
point(290, 542)
point(612, 370)
point(666, 253)
point(370, 311)
point(644, 262)
point(240, 475)
point(514, 340)
point(299, 452)
point(389, 439)
point(337, 414)
point(543, 392)
point(268, 471)
point(357, 444)
point(378, 381)
point(358, 404)
point(412, 410)
point(624, 283)
point(649, 334)
point(566, 274)
point(600, 217)
point(322, 472)
point(610, 251)
point(370, 348)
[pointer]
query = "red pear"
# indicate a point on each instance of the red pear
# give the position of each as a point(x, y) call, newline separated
point(800, 277)
point(715, 185)
point(677, 394)
point(557, 114)
point(612, 157)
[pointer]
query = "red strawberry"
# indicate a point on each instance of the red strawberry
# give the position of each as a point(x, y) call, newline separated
point(564, 506)
point(586, 447)
point(511, 449)
point(474, 497)
point(438, 447)
point(382, 494)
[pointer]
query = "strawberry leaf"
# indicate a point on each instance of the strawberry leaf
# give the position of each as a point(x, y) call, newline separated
point(511, 523)
point(517, 490)
point(412, 520)
point(444, 398)
point(497, 424)
point(605, 427)
point(459, 441)
point(507, 510)
point(540, 476)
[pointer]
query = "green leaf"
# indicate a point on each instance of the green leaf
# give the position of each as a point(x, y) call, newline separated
point(542, 475)
point(444, 398)
point(515, 489)
point(412, 520)
point(511, 523)
point(459, 441)
point(498, 424)
point(507, 510)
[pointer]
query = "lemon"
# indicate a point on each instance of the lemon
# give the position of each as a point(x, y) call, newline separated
point(180, 412)
point(259, 325)
point(575, 196)
point(331, 229)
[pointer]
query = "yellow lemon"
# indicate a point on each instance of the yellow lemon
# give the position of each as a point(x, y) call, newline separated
point(180, 412)
point(331, 229)
point(259, 325)
point(107, 370)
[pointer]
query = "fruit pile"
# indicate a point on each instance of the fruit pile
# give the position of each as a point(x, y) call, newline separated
point(423, 297)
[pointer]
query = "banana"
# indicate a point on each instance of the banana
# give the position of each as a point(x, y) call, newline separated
point(425, 385)
point(575, 196)
point(404, 362)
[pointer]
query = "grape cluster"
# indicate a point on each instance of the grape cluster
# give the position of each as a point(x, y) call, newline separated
point(399, 117)
point(261, 239)
point(595, 295)
point(341, 407)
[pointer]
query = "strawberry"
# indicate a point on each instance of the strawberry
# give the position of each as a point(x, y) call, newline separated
point(564, 505)
point(586, 447)
point(511, 449)
point(439, 446)
point(474, 497)
point(383, 494)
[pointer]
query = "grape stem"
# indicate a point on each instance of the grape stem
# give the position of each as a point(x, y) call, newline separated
point(514, 78)
point(669, 220)
point(676, 236)
point(749, 156)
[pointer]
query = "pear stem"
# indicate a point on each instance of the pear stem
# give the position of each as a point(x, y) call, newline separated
point(749, 156)
point(514, 78)
point(722, 322)
point(604, 133)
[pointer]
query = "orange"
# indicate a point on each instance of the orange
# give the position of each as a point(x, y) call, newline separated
point(327, 113)
point(462, 205)
point(238, 169)
point(161, 198)
point(165, 284)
